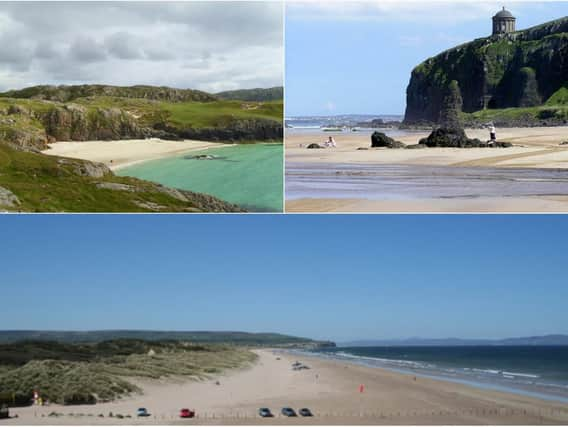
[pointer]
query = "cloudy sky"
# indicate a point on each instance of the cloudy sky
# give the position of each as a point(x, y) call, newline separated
point(356, 57)
point(211, 46)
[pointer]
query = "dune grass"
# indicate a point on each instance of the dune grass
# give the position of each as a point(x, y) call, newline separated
point(87, 373)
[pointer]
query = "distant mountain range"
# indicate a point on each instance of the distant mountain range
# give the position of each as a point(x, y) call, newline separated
point(534, 340)
point(210, 337)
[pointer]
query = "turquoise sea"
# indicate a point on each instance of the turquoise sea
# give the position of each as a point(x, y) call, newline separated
point(249, 175)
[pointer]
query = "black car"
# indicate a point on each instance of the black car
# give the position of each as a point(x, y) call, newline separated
point(265, 413)
point(288, 412)
point(305, 412)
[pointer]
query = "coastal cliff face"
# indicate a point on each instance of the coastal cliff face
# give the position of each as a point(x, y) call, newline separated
point(526, 68)
point(31, 118)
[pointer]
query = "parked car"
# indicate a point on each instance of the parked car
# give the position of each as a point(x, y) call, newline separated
point(288, 412)
point(186, 413)
point(305, 412)
point(142, 412)
point(265, 413)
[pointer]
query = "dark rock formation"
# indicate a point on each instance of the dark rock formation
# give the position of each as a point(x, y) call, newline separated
point(451, 106)
point(236, 131)
point(379, 139)
point(456, 138)
point(524, 68)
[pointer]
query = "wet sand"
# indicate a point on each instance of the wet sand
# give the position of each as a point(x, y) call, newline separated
point(330, 389)
point(534, 148)
point(119, 154)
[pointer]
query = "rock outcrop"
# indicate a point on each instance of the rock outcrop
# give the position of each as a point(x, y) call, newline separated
point(456, 138)
point(8, 199)
point(74, 122)
point(379, 139)
point(520, 69)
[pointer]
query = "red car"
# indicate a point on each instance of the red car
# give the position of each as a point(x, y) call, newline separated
point(186, 413)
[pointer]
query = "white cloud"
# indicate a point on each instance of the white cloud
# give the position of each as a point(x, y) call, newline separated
point(387, 10)
point(200, 45)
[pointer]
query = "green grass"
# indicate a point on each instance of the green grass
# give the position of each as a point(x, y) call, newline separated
point(529, 113)
point(86, 373)
point(43, 184)
point(217, 114)
point(560, 97)
point(220, 113)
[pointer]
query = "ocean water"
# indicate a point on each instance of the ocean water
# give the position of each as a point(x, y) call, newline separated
point(249, 175)
point(540, 371)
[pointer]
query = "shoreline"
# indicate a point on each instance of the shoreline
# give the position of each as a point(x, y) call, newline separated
point(330, 388)
point(355, 360)
point(533, 148)
point(119, 154)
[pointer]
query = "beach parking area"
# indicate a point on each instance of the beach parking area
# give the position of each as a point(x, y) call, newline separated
point(330, 388)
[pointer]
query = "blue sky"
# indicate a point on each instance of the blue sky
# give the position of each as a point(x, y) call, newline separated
point(337, 277)
point(356, 57)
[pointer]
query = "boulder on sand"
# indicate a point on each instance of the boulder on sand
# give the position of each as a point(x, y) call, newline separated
point(379, 139)
point(455, 137)
point(314, 145)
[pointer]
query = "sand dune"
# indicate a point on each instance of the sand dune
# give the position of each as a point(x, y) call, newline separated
point(330, 389)
point(119, 154)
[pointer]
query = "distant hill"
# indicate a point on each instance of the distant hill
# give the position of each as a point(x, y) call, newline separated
point(258, 94)
point(208, 337)
point(535, 340)
point(64, 93)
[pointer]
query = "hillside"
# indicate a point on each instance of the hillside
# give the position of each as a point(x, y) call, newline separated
point(30, 118)
point(65, 93)
point(232, 337)
point(32, 182)
point(92, 372)
point(258, 94)
point(525, 69)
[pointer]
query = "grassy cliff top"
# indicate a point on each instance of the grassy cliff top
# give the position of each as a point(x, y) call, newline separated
point(53, 184)
point(557, 28)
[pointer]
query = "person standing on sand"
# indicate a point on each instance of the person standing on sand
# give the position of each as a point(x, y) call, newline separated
point(492, 135)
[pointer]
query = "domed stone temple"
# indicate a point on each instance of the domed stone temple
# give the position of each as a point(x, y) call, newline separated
point(503, 22)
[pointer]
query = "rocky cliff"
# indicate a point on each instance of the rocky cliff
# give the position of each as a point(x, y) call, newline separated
point(522, 69)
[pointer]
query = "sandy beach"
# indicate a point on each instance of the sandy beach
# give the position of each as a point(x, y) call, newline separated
point(534, 148)
point(123, 153)
point(330, 389)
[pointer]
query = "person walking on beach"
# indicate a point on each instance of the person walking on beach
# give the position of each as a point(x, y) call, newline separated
point(492, 135)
